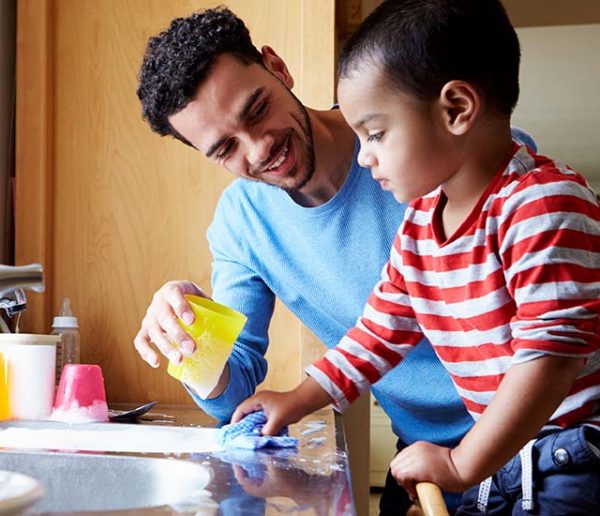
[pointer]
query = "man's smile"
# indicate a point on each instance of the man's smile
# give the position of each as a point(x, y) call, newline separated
point(280, 163)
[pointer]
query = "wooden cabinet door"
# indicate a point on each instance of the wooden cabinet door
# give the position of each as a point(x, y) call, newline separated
point(112, 210)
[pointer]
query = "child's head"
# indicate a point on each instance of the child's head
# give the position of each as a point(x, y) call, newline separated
point(422, 74)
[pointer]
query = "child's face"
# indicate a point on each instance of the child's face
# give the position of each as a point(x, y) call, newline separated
point(403, 140)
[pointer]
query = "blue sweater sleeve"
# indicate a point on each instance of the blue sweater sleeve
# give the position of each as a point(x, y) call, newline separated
point(236, 285)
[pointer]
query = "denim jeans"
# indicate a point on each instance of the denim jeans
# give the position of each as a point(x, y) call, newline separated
point(565, 477)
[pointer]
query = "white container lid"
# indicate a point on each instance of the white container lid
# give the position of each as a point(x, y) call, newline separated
point(65, 321)
point(28, 338)
point(65, 318)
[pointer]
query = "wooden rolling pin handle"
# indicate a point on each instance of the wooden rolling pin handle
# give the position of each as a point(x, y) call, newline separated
point(431, 500)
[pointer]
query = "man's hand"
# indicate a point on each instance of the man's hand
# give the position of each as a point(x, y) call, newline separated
point(160, 326)
point(284, 408)
point(426, 462)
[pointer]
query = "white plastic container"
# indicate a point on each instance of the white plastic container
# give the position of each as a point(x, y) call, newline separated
point(30, 362)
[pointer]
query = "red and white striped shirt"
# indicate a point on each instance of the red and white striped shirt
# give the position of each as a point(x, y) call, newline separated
point(519, 279)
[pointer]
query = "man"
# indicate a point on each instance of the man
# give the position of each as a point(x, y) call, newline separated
point(306, 224)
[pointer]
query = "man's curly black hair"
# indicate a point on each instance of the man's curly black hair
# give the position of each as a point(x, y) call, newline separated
point(179, 59)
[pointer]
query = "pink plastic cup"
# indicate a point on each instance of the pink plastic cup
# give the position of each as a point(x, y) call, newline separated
point(80, 397)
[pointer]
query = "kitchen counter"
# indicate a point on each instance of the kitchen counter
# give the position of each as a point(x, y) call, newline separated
point(312, 479)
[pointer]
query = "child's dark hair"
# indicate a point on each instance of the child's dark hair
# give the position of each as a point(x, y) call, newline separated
point(179, 59)
point(423, 44)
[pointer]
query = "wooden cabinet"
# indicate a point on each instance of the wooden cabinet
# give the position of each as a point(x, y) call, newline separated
point(382, 445)
point(112, 210)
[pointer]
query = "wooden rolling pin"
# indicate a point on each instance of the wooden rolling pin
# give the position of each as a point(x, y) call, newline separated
point(431, 501)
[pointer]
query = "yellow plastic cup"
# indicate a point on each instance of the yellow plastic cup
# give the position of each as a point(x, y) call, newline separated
point(4, 405)
point(215, 329)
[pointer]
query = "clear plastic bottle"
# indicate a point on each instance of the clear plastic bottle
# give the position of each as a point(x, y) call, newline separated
point(69, 349)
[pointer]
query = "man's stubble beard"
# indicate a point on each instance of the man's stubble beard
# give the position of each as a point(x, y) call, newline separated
point(308, 151)
point(309, 147)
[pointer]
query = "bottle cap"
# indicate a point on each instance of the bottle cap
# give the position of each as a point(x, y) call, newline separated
point(65, 318)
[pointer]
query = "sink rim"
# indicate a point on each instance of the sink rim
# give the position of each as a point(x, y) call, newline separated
point(165, 480)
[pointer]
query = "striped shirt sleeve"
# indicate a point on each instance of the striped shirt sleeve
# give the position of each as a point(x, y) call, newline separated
point(550, 248)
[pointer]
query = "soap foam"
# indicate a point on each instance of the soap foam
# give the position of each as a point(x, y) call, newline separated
point(112, 438)
point(96, 412)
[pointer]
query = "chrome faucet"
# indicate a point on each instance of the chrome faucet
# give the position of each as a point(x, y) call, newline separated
point(13, 282)
point(14, 302)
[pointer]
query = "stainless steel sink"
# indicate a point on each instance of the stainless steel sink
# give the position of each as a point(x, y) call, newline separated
point(157, 473)
point(77, 482)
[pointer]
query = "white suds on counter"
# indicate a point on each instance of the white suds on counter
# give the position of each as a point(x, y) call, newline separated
point(112, 438)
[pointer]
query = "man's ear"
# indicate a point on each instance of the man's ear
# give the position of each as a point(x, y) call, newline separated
point(460, 103)
point(276, 66)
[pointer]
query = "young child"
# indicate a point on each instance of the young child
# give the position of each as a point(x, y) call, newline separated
point(497, 263)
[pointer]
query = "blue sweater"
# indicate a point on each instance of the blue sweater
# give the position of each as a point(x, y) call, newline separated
point(322, 263)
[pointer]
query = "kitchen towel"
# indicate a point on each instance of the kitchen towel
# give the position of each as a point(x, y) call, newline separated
point(246, 434)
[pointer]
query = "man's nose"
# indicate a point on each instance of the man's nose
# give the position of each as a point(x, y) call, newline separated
point(258, 148)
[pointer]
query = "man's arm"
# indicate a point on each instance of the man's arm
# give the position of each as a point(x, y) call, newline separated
point(237, 286)
point(246, 367)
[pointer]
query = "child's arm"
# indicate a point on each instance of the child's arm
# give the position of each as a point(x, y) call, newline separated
point(284, 408)
point(382, 336)
point(524, 402)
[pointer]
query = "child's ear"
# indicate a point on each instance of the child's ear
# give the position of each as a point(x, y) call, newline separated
point(460, 102)
point(276, 66)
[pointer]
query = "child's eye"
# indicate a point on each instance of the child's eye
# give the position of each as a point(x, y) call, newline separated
point(375, 137)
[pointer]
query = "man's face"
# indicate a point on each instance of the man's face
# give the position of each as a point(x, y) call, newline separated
point(245, 118)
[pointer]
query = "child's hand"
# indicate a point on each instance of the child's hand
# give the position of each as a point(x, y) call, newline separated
point(426, 462)
point(281, 409)
point(284, 408)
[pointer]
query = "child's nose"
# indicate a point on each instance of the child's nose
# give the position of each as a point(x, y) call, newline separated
point(366, 159)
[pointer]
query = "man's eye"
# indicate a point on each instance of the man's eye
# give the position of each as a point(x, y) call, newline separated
point(225, 150)
point(376, 137)
point(260, 110)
